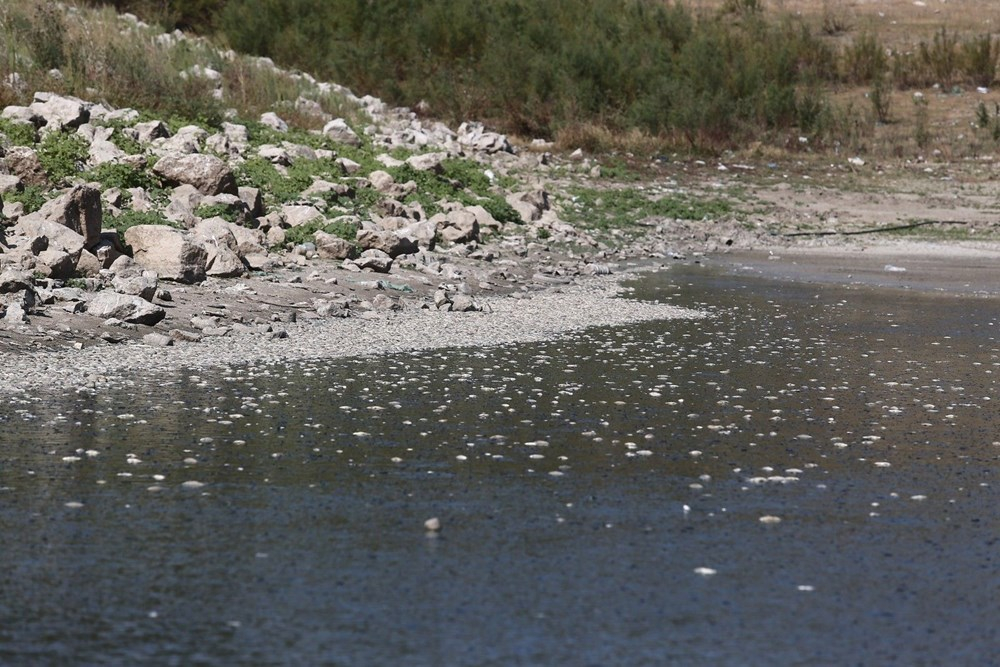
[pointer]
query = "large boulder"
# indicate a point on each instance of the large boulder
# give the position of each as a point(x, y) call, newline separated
point(391, 243)
point(457, 226)
point(78, 209)
point(529, 205)
point(423, 233)
point(374, 260)
point(221, 247)
point(23, 162)
point(42, 234)
point(427, 162)
point(142, 284)
point(134, 309)
point(168, 252)
point(59, 111)
point(300, 214)
point(477, 137)
point(208, 173)
point(330, 246)
point(339, 131)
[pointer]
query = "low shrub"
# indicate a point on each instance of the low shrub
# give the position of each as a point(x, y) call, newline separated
point(224, 211)
point(129, 219)
point(18, 134)
point(31, 197)
point(304, 233)
point(122, 175)
point(62, 154)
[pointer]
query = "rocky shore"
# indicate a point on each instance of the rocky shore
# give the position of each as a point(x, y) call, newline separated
point(216, 272)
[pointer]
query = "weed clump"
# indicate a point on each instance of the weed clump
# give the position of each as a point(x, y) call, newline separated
point(62, 154)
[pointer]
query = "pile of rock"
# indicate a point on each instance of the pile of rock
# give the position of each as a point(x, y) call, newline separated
point(67, 255)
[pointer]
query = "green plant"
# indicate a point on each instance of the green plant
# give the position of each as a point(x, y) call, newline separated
point(624, 208)
point(224, 211)
point(121, 175)
point(18, 134)
point(62, 154)
point(304, 233)
point(260, 173)
point(880, 97)
point(864, 60)
point(31, 197)
point(922, 133)
point(979, 55)
point(129, 219)
point(941, 56)
point(46, 36)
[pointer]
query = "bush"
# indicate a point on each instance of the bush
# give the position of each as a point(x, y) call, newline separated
point(123, 176)
point(304, 233)
point(979, 55)
point(62, 154)
point(224, 211)
point(18, 134)
point(864, 60)
point(129, 219)
point(32, 197)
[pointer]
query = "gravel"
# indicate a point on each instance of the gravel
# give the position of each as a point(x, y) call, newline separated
point(541, 316)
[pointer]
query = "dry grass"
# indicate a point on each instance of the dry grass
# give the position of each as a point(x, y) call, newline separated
point(898, 23)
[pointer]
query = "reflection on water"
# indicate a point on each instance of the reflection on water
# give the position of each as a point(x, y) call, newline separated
point(274, 515)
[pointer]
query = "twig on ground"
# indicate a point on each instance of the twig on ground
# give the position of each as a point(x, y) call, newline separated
point(877, 230)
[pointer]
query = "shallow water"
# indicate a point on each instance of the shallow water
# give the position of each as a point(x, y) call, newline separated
point(600, 497)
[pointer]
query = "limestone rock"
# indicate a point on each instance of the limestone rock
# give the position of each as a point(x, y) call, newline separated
point(60, 264)
point(222, 250)
point(271, 120)
point(339, 131)
point(427, 162)
point(23, 162)
point(529, 205)
point(142, 285)
point(59, 111)
point(206, 172)
point(295, 214)
point(79, 209)
point(10, 183)
point(147, 132)
point(391, 243)
point(166, 251)
point(374, 260)
point(476, 137)
point(329, 246)
point(457, 226)
point(132, 309)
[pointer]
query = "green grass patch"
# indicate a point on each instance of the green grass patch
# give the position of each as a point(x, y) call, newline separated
point(623, 208)
point(260, 173)
point(304, 233)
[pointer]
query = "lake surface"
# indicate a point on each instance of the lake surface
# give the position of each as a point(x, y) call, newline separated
point(809, 476)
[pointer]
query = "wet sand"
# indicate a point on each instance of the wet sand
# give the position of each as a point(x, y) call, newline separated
point(936, 267)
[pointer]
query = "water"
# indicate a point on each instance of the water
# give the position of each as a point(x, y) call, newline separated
point(600, 496)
